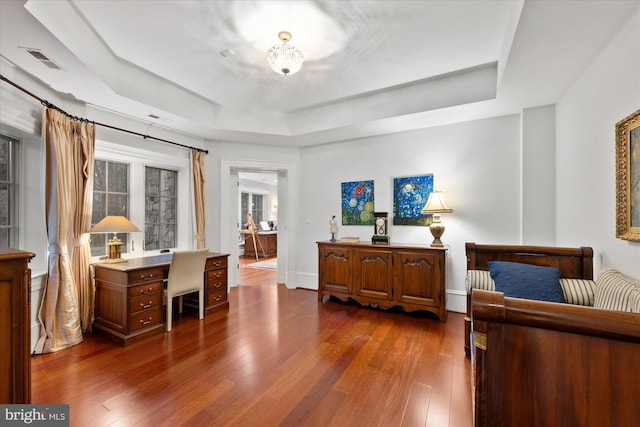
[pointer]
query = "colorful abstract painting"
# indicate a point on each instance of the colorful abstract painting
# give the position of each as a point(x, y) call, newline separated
point(357, 203)
point(409, 196)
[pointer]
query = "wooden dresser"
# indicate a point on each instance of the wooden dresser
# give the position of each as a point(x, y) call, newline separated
point(384, 275)
point(15, 326)
point(128, 301)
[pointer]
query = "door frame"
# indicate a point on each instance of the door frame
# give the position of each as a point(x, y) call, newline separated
point(286, 213)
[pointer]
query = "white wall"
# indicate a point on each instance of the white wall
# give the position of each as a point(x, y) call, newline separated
point(539, 176)
point(476, 163)
point(608, 91)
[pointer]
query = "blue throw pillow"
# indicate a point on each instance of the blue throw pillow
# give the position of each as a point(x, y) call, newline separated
point(527, 281)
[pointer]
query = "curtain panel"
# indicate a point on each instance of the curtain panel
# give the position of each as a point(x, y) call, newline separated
point(67, 303)
point(198, 181)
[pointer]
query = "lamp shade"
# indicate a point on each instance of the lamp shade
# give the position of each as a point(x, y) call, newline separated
point(436, 204)
point(114, 224)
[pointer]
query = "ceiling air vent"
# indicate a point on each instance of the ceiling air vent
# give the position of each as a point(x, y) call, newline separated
point(43, 58)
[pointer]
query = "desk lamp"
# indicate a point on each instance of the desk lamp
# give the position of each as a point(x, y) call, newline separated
point(115, 225)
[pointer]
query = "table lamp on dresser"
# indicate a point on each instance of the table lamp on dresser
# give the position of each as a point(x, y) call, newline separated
point(435, 206)
point(115, 225)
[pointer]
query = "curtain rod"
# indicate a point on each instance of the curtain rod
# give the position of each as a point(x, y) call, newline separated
point(47, 104)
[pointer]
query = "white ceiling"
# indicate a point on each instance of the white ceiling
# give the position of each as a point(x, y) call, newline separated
point(371, 67)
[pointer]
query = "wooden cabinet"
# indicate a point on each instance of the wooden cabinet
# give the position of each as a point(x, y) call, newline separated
point(15, 326)
point(129, 295)
point(269, 241)
point(384, 275)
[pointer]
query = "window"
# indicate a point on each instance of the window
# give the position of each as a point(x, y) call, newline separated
point(244, 208)
point(8, 226)
point(256, 207)
point(160, 208)
point(110, 197)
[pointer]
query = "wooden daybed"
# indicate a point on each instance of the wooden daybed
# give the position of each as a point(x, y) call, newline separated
point(547, 364)
point(573, 263)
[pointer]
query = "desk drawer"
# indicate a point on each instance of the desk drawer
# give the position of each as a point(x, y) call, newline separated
point(145, 302)
point(217, 297)
point(146, 275)
point(213, 286)
point(217, 262)
point(217, 277)
point(146, 289)
point(144, 319)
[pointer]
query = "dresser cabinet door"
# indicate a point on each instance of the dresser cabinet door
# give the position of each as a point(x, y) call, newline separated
point(420, 277)
point(335, 269)
point(373, 271)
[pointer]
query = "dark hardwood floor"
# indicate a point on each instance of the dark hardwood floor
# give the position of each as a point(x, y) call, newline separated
point(276, 357)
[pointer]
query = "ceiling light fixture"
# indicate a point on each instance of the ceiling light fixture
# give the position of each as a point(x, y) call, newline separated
point(285, 59)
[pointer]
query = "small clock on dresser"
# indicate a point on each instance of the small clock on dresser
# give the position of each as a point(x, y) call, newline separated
point(380, 230)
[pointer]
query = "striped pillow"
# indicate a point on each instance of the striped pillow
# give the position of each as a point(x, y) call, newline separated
point(479, 279)
point(615, 291)
point(576, 291)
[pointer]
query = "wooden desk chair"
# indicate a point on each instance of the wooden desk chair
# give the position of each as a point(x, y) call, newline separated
point(253, 232)
point(186, 275)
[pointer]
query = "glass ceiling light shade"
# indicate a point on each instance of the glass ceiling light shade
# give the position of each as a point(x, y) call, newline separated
point(285, 59)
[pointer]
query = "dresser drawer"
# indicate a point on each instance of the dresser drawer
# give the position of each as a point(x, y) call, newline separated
point(146, 289)
point(144, 319)
point(145, 302)
point(217, 297)
point(149, 274)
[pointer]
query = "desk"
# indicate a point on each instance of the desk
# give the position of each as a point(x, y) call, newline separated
point(269, 244)
point(128, 300)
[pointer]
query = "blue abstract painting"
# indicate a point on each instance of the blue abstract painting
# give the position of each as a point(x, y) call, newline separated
point(357, 203)
point(409, 196)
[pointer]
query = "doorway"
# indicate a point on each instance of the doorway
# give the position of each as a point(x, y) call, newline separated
point(257, 214)
point(229, 217)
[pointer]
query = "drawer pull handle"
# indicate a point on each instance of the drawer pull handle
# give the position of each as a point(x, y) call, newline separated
point(218, 275)
point(217, 264)
point(217, 285)
point(147, 291)
point(145, 322)
point(143, 305)
point(218, 298)
point(142, 276)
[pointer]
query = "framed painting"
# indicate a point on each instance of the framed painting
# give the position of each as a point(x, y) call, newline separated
point(357, 203)
point(409, 196)
point(628, 178)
